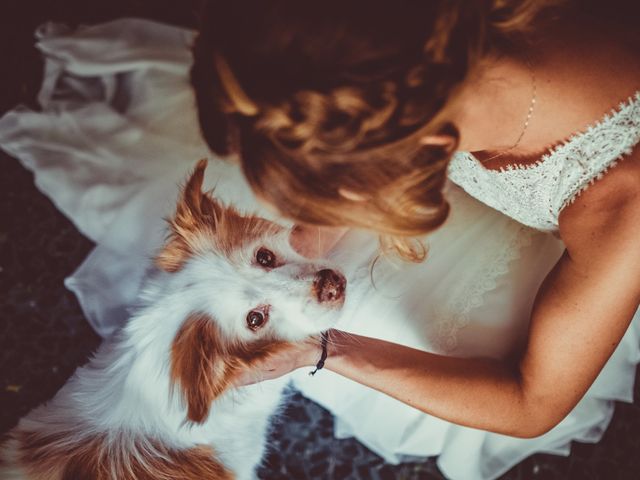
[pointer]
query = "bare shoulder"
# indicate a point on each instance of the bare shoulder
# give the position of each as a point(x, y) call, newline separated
point(607, 213)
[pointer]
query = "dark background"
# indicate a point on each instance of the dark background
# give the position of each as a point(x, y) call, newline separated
point(44, 337)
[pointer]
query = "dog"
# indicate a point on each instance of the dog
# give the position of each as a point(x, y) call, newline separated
point(158, 401)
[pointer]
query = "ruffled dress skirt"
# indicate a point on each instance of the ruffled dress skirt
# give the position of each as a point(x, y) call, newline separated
point(116, 135)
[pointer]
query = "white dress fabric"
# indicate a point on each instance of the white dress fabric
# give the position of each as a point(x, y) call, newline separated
point(117, 134)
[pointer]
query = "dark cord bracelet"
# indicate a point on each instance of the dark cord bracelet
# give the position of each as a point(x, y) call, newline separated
point(323, 357)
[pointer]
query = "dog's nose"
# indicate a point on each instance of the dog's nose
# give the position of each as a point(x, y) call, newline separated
point(329, 286)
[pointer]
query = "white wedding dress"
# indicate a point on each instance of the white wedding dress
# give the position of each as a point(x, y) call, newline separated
point(118, 132)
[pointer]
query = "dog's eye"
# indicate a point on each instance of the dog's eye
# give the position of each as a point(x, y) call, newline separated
point(266, 258)
point(255, 319)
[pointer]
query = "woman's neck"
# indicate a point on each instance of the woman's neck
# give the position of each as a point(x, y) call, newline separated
point(577, 78)
point(492, 108)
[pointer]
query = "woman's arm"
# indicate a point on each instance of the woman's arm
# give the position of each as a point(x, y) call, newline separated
point(581, 312)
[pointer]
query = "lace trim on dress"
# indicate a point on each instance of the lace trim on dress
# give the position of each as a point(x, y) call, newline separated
point(609, 141)
point(626, 115)
point(535, 194)
point(454, 316)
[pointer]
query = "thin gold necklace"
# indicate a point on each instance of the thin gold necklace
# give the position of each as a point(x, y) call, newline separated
point(527, 120)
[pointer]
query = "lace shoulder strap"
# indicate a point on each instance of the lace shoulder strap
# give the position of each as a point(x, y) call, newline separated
point(586, 157)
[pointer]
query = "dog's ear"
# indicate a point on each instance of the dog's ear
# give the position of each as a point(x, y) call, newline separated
point(203, 365)
point(200, 222)
point(199, 365)
point(196, 207)
point(197, 213)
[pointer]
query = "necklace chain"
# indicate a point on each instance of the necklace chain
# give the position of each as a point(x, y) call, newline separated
point(532, 105)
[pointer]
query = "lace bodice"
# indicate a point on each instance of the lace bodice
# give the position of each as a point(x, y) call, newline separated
point(536, 194)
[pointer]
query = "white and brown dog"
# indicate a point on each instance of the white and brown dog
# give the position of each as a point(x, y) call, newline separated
point(155, 402)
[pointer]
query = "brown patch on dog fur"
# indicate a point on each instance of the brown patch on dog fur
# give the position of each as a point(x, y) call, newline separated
point(196, 365)
point(58, 457)
point(204, 365)
point(200, 222)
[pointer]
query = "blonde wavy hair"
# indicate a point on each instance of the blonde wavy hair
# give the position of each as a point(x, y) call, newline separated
point(325, 102)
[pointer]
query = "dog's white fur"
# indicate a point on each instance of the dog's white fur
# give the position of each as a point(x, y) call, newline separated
point(125, 399)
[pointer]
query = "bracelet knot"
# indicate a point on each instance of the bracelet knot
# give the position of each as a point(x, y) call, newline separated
point(323, 356)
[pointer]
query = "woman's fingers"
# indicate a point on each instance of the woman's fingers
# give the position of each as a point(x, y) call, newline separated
point(299, 355)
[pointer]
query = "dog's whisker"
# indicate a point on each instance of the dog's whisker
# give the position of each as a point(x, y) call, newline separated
point(335, 339)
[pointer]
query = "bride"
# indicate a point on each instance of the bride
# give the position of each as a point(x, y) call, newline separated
point(347, 114)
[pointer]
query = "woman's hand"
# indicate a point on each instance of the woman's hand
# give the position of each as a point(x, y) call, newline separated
point(296, 355)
